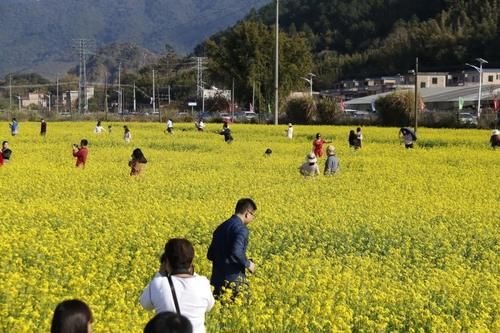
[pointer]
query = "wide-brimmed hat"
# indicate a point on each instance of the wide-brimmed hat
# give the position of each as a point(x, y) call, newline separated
point(289, 124)
point(311, 158)
point(330, 150)
point(495, 132)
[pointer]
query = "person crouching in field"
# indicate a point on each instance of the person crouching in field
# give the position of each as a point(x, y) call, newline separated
point(495, 139)
point(332, 162)
point(137, 162)
point(310, 167)
point(81, 152)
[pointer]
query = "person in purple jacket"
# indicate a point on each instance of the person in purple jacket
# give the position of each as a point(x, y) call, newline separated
point(227, 250)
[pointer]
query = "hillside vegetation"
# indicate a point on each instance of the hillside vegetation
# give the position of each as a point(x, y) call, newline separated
point(356, 39)
point(38, 32)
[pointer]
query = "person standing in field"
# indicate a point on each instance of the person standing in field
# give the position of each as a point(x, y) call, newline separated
point(43, 128)
point(332, 162)
point(6, 152)
point(137, 162)
point(289, 131)
point(318, 145)
point(310, 167)
point(353, 140)
point(227, 251)
point(170, 126)
point(98, 128)
point(177, 288)
point(72, 316)
point(359, 135)
point(81, 152)
point(495, 139)
point(127, 136)
point(14, 127)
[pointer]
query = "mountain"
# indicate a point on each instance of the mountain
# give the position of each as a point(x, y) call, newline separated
point(40, 34)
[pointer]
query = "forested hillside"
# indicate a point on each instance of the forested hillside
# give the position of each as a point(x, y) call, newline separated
point(359, 38)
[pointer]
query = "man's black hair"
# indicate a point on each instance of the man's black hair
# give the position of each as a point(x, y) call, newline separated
point(244, 204)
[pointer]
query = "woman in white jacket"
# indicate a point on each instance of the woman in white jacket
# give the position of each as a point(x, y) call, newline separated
point(193, 293)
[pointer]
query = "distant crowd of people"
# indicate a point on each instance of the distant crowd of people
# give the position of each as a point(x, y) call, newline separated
point(309, 168)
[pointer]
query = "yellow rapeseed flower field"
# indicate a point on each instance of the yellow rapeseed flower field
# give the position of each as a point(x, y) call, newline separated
point(398, 241)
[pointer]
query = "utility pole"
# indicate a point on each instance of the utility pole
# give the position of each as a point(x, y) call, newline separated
point(159, 104)
point(253, 95)
point(154, 95)
point(48, 101)
point(199, 75)
point(10, 92)
point(135, 103)
point(119, 88)
point(232, 101)
point(416, 94)
point(169, 94)
point(106, 96)
point(310, 81)
point(83, 45)
point(57, 94)
point(480, 71)
point(276, 68)
point(19, 98)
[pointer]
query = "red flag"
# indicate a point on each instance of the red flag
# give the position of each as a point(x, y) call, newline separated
point(342, 105)
point(496, 103)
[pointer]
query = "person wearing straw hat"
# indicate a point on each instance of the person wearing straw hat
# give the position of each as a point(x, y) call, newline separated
point(310, 167)
point(495, 138)
point(332, 162)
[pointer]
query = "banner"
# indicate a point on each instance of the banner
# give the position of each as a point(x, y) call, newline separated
point(496, 103)
point(460, 103)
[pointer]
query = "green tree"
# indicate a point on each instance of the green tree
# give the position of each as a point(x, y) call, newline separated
point(301, 110)
point(395, 109)
point(245, 54)
point(328, 110)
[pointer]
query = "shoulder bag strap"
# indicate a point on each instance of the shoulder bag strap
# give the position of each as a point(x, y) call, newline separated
point(174, 296)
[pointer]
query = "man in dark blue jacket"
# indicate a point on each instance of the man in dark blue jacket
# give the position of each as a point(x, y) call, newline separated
point(228, 248)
